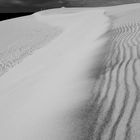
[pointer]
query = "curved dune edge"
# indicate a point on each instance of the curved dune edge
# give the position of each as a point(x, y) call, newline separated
point(39, 96)
point(27, 115)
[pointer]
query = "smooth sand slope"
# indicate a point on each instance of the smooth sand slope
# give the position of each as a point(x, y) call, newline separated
point(40, 96)
point(71, 74)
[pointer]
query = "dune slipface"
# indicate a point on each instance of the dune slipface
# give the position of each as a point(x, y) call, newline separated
point(46, 74)
point(81, 79)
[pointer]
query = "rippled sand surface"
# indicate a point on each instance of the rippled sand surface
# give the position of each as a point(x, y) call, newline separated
point(71, 74)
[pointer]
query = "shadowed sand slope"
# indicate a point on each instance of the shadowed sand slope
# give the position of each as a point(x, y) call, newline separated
point(82, 85)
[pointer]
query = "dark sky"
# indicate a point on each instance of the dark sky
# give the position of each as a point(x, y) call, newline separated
point(15, 6)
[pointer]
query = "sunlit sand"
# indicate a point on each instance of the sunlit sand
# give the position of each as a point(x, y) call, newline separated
point(51, 66)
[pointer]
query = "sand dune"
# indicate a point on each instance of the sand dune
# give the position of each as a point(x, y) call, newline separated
point(71, 74)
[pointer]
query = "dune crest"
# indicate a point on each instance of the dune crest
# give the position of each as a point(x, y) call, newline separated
point(82, 85)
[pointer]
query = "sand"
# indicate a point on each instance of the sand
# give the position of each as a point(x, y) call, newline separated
point(52, 69)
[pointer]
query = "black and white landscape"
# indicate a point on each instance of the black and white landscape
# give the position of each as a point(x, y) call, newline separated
point(71, 74)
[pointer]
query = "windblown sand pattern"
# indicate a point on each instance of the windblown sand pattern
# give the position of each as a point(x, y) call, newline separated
point(113, 112)
point(25, 46)
point(116, 105)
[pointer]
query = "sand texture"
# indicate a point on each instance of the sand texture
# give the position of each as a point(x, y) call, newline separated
point(71, 74)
